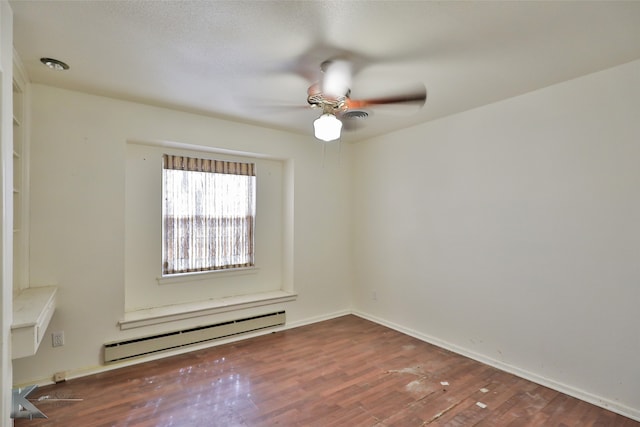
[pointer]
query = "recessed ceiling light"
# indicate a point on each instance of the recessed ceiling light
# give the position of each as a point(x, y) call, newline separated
point(54, 64)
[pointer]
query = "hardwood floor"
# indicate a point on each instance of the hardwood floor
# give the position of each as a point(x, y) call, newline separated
point(341, 372)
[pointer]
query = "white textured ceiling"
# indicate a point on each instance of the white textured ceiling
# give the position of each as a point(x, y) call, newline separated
point(245, 60)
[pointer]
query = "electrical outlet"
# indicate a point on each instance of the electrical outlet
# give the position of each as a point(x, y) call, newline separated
point(57, 338)
point(59, 377)
point(374, 296)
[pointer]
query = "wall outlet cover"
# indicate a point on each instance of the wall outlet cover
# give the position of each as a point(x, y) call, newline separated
point(59, 377)
point(57, 339)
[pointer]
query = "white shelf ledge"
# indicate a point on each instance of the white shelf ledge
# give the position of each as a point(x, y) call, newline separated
point(154, 316)
point(32, 312)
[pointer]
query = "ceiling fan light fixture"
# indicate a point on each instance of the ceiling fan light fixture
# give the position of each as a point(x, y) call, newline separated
point(327, 127)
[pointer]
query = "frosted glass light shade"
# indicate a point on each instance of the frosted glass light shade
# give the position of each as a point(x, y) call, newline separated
point(327, 127)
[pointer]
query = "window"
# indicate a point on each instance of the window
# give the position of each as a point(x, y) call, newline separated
point(208, 214)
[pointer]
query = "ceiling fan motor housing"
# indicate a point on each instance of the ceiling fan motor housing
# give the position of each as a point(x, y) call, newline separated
point(328, 105)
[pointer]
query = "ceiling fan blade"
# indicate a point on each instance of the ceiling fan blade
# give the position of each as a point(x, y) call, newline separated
point(336, 79)
point(308, 64)
point(417, 97)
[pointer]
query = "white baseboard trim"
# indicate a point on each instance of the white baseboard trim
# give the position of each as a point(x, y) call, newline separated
point(563, 388)
point(316, 319)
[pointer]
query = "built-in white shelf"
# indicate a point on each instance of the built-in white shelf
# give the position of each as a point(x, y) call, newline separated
point(20, 178)
point(32, 312)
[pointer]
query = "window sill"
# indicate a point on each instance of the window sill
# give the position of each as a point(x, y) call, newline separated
point(154, 316)
point(205, 275)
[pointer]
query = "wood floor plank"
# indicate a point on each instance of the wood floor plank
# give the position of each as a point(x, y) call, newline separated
point(480, 403)
point(342, 372)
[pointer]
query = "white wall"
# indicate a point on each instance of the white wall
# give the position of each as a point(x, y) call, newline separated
point(512, 233)
point(143, 239)
point(78, 163)
point(6, 193)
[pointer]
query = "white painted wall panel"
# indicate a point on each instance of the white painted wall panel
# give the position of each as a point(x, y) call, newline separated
point(510, 232)
point(6, 214)
point(78, 232)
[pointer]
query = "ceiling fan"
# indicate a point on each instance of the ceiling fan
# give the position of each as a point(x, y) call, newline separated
point(332, 94)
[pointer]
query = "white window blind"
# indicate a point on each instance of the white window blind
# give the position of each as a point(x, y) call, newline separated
point(208, 214)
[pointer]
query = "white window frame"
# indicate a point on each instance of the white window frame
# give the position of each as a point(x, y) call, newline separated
point(189, 205)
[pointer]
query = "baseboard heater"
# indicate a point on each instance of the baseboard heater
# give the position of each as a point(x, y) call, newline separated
point(128, 349)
